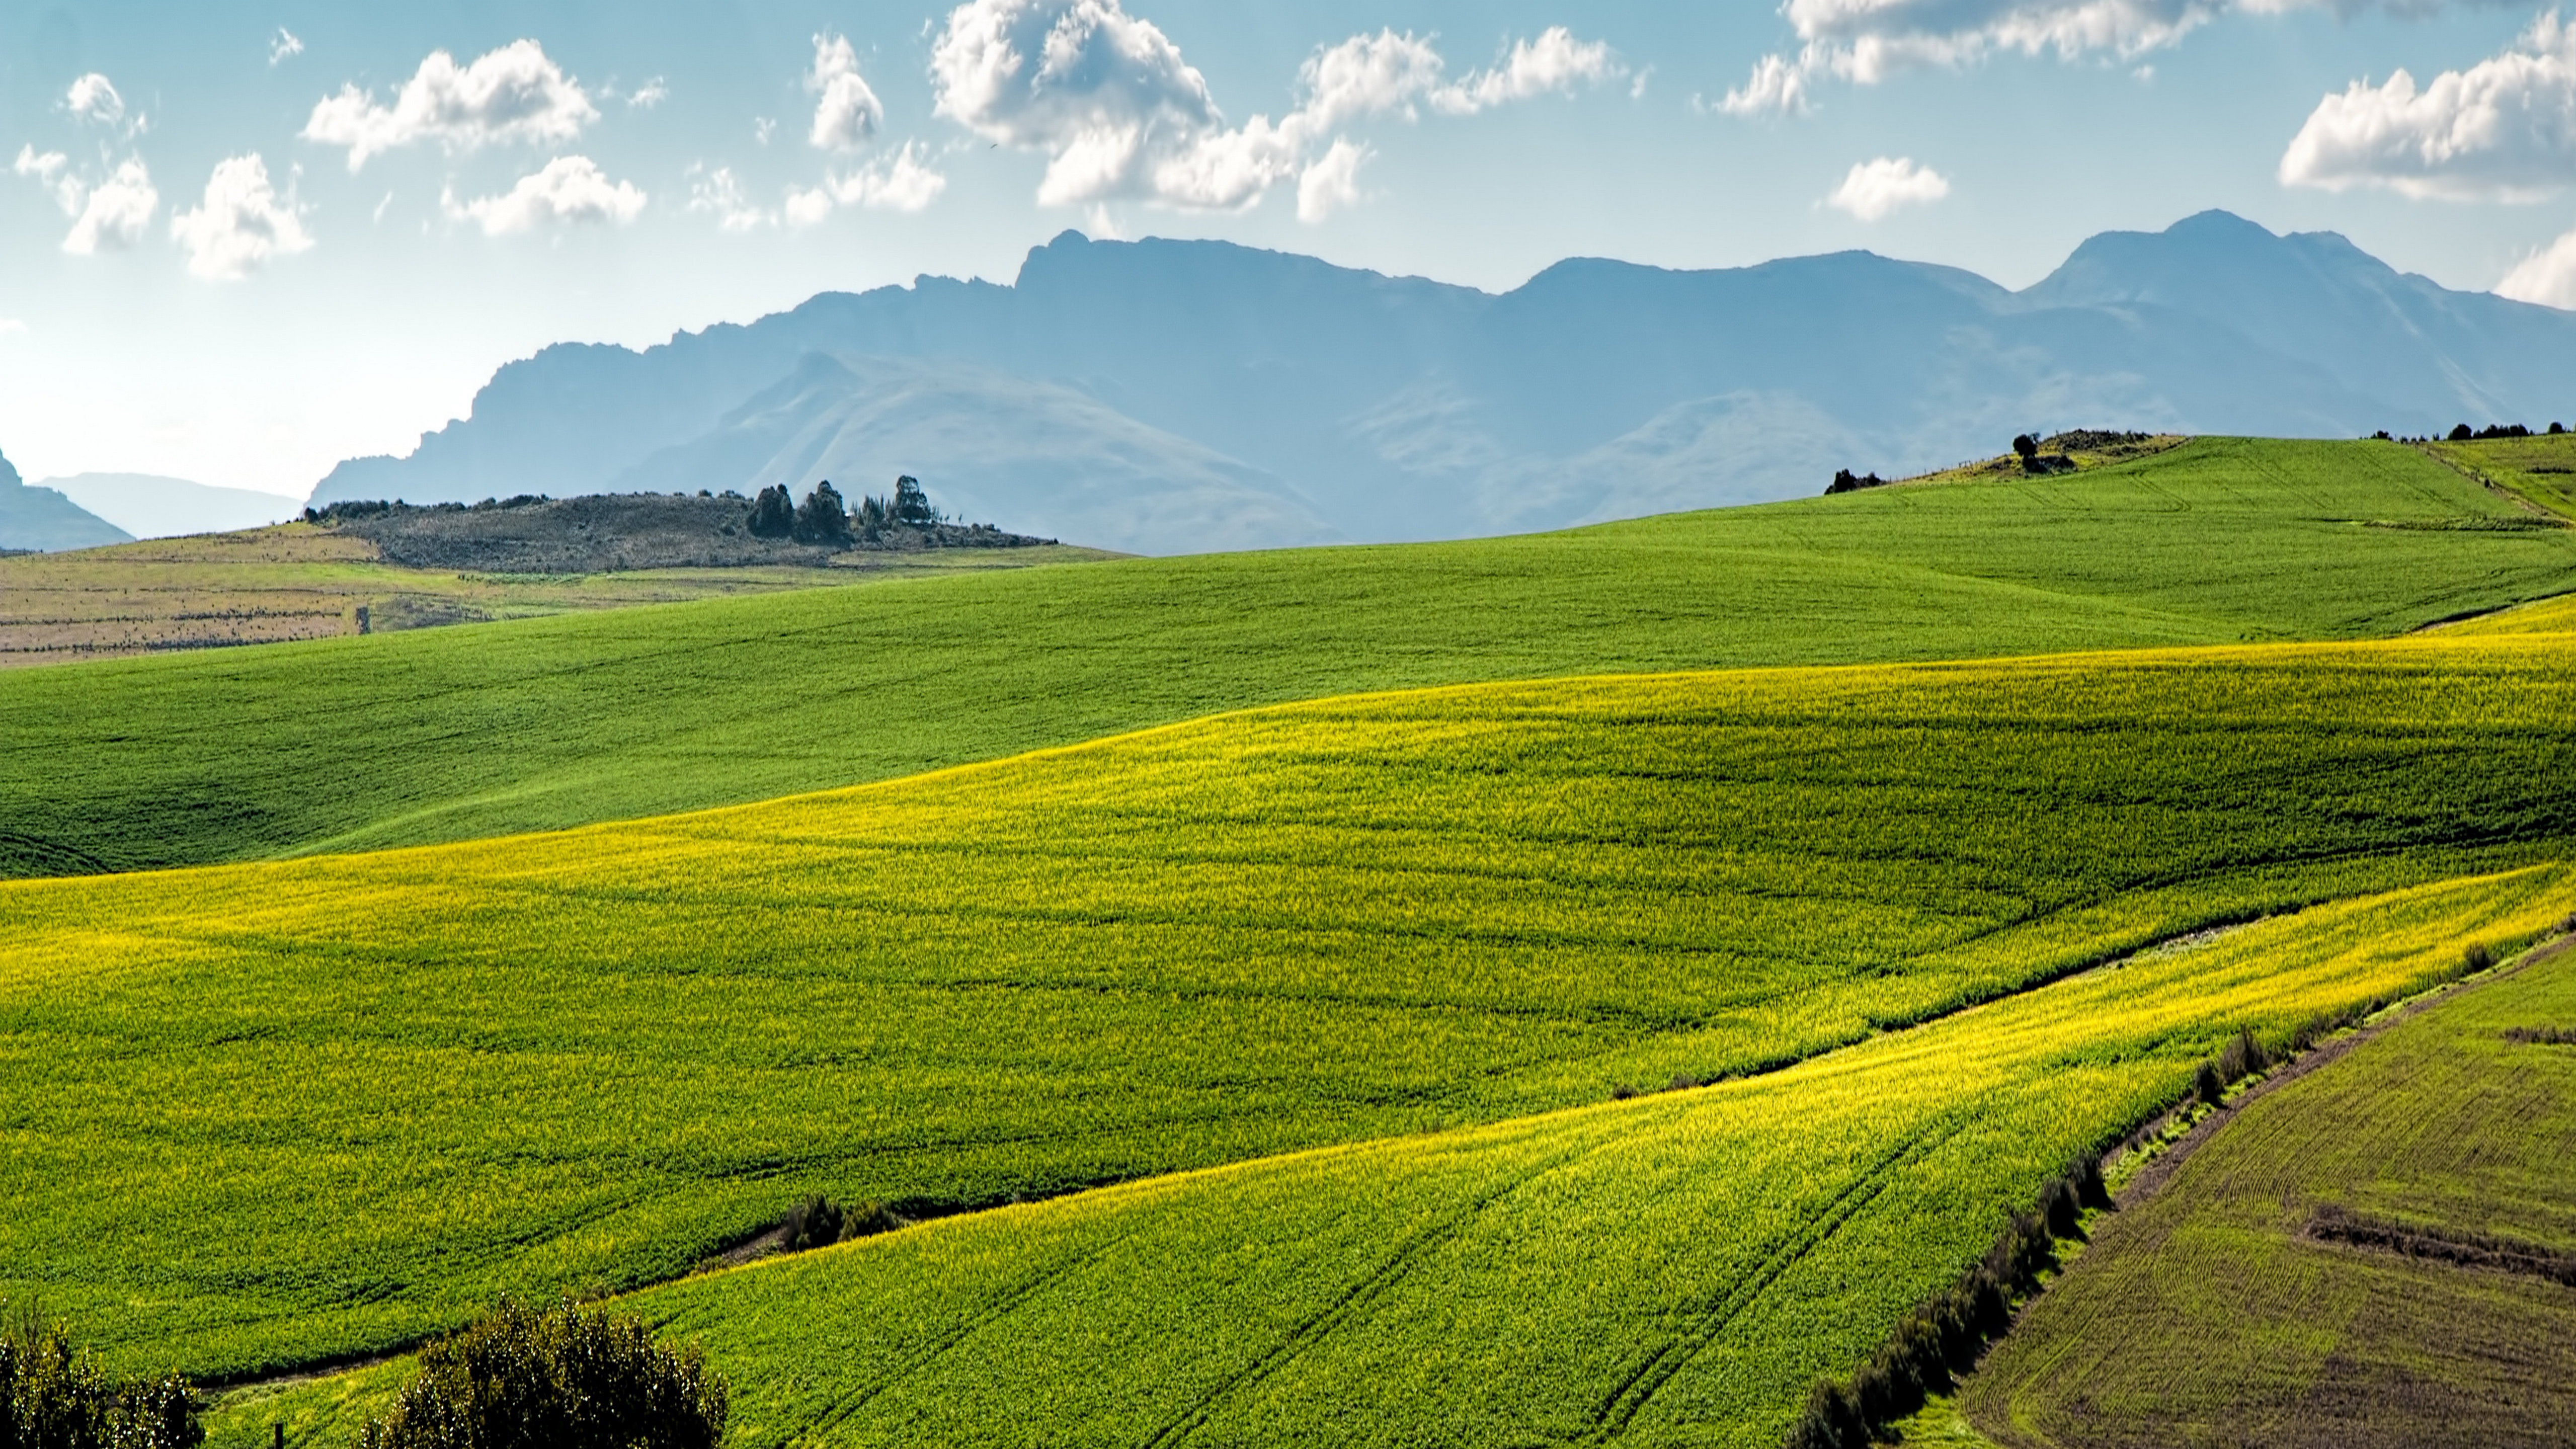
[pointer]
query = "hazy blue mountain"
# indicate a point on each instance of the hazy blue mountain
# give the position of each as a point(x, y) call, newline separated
point(41, 518)
point(1051, 460)
point(152, 507)
point(1164, 395)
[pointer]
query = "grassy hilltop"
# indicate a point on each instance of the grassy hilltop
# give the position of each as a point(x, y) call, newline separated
point(363, 743)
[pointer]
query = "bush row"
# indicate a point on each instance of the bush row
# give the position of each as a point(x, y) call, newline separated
point(525, 1377)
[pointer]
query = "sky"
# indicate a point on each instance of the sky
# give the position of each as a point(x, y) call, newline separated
point(240, 242)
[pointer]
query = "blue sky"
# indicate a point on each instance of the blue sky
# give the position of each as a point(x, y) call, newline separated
point(239, 242)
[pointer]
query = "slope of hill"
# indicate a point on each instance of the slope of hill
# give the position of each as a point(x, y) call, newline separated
point(271, 1113)
point(2380, 1253)
point(147, 506)
point(42, 519)
point(1670, 1270)
point(447, 734)
point(1290, 400)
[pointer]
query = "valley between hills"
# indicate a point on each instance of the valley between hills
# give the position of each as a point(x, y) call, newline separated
point(2019, 955)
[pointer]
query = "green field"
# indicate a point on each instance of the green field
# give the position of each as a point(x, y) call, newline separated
point(361, 743)
point(270, 1113)
point(2213, 1314)
point(2541, 469)
point(1669, 1270)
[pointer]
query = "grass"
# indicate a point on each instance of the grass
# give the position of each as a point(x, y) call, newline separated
point(450, 734)
point(2216, 1313)
point(2541, 469)
point(291, 582)
point(272, 1113)
point(1675, 1269)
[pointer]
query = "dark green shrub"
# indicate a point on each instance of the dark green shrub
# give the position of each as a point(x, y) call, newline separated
point(813, 1223)
point(555, 1378)
point(2208, 1085)
point(54, 1397)
point(1830, 1421)
point(2478, 957)
point(820, 519)
point(773, 514)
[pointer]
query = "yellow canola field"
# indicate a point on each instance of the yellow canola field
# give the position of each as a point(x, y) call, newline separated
point(264, 1115)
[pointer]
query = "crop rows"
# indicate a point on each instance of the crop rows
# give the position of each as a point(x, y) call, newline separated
point(1674, 1269)
point(260, 1115)
point(2228, 1309)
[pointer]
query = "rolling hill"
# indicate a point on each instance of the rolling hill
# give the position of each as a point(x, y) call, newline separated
point(449, 734)
point(283, 1112)
point(1221, 397)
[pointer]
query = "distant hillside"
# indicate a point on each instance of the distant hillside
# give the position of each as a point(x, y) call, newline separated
point(1167, 396)
point(153, 507)
point(40, 518)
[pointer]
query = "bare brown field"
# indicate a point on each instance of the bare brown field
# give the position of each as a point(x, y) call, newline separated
point(295, 581)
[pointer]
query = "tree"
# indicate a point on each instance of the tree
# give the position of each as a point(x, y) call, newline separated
point(911, 505)
point(55, 1397)
point(2025, 445)
point(555, 1378)
point(821, 519)
point(773, 514)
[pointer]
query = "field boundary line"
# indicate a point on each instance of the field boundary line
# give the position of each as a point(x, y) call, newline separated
point(2159, 1170)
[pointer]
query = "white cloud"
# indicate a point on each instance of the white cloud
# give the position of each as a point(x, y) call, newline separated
point(52, 170)
point(512, 94)
point(568, 190)
point(1108, 99)
point(1865, 41)
point(91, 98)
point(1874, 189)
point(848, 114)
point(117, 211)
point(718, 194)
point(2547, 276)
point(1555, 62)
point(2504, 129)
point(648, 95)
point(900, 182)
point(241, 222)
point(1331, 184)
point(283, 45)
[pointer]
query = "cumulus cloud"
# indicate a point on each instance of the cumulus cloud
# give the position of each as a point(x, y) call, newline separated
point(2504, 129)
point(240, 224)
point(1119, 114)
point(92, 98)
point(116, 212)
point(900, 182)
point(2547, 276)
point(1874, 189)
point(1865, 41)
point(848, 114)
point(112, 214)
point(1332, 183)
point(568, 190)
point(648, 95)
point(282, 46)
point(514, 94)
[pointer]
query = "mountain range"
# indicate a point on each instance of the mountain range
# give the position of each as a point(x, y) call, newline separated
point(1167, 396)
point(149, 506)
point(43, 519)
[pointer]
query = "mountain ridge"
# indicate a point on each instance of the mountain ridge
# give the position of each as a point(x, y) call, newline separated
point(1357, 405)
